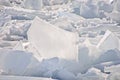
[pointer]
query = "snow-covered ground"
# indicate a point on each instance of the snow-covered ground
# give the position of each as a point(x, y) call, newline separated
point(59, 39)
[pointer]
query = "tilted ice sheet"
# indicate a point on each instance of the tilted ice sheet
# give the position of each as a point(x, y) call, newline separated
point(109, 41)
point(19, 46)
point(51, 41)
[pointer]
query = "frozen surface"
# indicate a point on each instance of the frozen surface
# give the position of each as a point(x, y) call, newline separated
point(59, 39)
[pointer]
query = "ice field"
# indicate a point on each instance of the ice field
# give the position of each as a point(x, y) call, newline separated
point(59, 39)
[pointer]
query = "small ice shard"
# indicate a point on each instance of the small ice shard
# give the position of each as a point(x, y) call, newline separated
point(109, 41)
point(51, 41)
point(19, 46)
point(33, 4)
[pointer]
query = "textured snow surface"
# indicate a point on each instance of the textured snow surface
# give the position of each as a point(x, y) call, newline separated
point(59, 39)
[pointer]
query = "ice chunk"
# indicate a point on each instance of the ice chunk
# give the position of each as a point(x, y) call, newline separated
point(15, 62)
point(92, 74)
point(64, 75)
point(19, 46)
point(51, 41)
point(112, 69)
point(52, 67)
point(114, 76)
point(67, 21)
point(89, 10)
point(45, 68)
point(33, 4)
point(116, 4)
point(31, 48)
point(109, 41)
point(105, 6)
point(102, 66)
point(115, 16)
point(110, 55)
point(88, 54)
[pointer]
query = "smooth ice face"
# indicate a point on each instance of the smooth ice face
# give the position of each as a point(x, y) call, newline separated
point(109, 41)
point(51, 41)
point(14, 62)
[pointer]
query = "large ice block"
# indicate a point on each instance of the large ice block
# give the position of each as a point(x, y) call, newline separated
point(51, 41)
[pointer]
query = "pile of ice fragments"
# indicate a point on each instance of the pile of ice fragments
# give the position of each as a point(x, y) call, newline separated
point(59, 39)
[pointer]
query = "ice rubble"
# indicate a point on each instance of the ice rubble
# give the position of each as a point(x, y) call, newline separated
point(55, 43)
point(96, 58)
